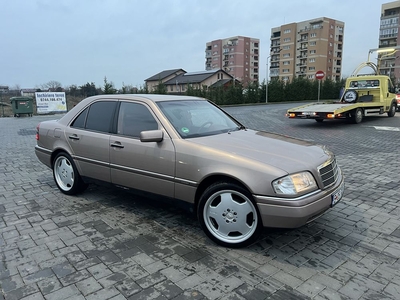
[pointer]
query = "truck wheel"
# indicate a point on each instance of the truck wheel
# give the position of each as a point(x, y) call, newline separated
point(319, 120)
point(392, 110)
point(357, 116)
point(228, 215)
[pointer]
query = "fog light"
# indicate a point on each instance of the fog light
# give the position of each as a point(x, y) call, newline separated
point(330, 116)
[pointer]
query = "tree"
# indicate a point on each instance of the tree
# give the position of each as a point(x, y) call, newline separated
point(89, 89)
point(108, 87)
point(160, 88)
point(128, 89)
point(51, 85)
point(73, 90)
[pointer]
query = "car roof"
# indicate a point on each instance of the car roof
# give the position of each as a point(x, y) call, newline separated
point(145, 97)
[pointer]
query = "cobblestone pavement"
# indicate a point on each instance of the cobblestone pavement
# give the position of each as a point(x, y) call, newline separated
point(110, 244)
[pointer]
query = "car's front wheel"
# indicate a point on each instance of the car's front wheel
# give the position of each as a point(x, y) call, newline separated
point(66, 175)
point(229, 215)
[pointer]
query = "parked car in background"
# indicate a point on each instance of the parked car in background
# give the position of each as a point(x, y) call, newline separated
point(398, 101)
point(184, 148)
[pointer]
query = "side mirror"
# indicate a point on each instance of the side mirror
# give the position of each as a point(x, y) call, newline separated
point(151, 136)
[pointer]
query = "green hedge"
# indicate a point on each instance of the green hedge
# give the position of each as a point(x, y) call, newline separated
point(298, 89)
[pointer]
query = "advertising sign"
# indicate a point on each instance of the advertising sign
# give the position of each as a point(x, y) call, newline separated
point(48, 102)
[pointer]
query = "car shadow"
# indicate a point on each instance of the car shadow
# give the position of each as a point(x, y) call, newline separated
point(308, 246)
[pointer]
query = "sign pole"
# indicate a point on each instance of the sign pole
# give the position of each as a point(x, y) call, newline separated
point(319, 75)
point(319, 88)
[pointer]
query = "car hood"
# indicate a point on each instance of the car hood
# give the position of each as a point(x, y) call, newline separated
point(282, 152)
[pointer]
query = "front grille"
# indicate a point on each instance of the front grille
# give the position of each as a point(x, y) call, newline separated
point(329, 172)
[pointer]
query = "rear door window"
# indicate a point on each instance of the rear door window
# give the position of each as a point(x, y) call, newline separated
point(98, 117)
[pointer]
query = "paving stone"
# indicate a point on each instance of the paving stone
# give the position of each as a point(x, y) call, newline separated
point(135, 272)
point(168, 289)
point(190, 282)
point(249, 292)
point(209, 290)
point(22, 292)
point(287, 279)
point(128, 287)
point(12, 283)
point(63, 293)
point(230, 284)
point(328, 294)
point(310, 288)
point(62, 270)
point(99, 271)
point(155, 267)
point(143, 259)
point(352, 250)
point(49, 285)
point(52, 262)
point(393, 290)
point(148, 294)
point(74, 277)
point(353, 289)
point(87, 263)
point(75, 256)
point(39, 275)
point(36, 296)
point(112, 279)
point(88, 286)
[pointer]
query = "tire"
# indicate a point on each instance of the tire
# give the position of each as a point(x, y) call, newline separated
point(392, 110)
point(66, 175)
point(319, 120)
point(350, 96)
point(229, 216)
point(357, 116)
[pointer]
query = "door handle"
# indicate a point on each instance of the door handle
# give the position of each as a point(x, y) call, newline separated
point(74, 137)
point(117, 145)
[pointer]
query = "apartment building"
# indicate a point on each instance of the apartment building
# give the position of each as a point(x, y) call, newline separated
point(238, 56)
point(389, 62)
point(301, 49)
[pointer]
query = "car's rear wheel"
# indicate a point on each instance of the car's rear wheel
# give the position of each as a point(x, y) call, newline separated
point(229, 215)
point(66, 175)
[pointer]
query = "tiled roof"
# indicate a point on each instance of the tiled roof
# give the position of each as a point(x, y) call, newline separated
point(163, 74)
point(193, 77)
point(220, 83)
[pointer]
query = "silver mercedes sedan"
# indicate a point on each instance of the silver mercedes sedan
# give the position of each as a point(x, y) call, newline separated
point(183, 148)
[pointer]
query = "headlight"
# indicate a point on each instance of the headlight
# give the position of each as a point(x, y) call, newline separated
point(295, 183)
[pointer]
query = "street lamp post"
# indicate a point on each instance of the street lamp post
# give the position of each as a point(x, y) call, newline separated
point(266, 79)
point(266, 83)
point(2, 105)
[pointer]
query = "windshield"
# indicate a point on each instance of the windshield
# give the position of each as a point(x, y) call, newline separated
point(194, 118)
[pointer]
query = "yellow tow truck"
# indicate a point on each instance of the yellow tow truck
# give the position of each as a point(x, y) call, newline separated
point(364, 95)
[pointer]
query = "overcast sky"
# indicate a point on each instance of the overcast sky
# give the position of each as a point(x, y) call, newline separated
point(128, 41)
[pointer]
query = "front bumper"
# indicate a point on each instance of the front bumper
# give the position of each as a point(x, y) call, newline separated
point(296, 213)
